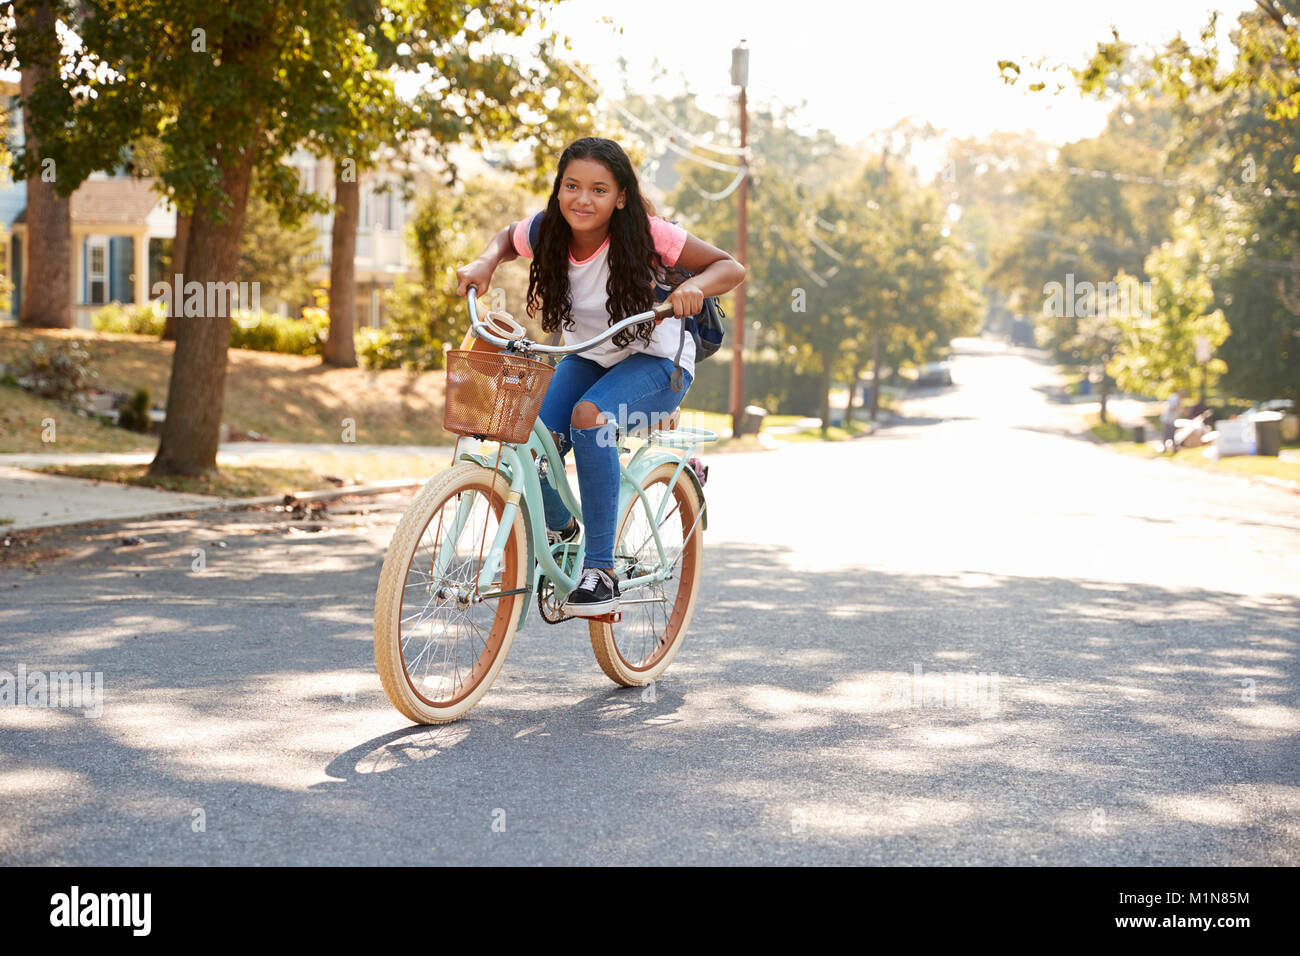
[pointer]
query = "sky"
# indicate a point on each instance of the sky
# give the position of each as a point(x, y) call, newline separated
point(863, 66)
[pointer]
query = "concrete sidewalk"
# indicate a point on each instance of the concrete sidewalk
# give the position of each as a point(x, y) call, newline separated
point(32, 500)
point(227, 452)
point(39, 501)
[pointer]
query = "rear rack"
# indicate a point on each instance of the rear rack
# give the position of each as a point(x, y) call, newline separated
point(683, 436)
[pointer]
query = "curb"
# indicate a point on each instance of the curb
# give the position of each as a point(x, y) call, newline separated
point(329, 494)
point(235, 504)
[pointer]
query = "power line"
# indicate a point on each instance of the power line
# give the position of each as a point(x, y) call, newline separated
point(695, 140)
point(1164, 182)
point(715, 197)
point(799, 260)
point(657, 136)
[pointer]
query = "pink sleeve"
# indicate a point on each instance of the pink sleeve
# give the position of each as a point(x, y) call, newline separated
point(669, 239)
point(519, 236)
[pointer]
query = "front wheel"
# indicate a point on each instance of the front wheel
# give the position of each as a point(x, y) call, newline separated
point(440, 640)
point(638, 649)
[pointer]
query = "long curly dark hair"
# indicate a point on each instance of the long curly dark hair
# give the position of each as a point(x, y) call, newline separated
point(633, 262)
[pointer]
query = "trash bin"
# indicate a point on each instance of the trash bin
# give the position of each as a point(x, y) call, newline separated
point(1268, 433)
point(1140, 434)
point(751, 422)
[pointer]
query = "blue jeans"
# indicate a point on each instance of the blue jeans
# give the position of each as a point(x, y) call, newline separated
point(631, 393)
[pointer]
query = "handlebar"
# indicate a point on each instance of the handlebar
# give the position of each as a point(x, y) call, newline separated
point(661, 311)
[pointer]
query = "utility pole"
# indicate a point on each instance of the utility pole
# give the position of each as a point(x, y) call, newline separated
point(740, 78)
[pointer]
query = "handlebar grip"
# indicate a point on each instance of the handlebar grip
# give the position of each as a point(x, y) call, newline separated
point(663, 310)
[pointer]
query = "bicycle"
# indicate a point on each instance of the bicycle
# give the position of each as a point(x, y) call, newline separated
point(469, 542)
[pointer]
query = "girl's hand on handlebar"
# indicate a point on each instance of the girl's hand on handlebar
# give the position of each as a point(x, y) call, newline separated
point(478, 274)
point(687, 299)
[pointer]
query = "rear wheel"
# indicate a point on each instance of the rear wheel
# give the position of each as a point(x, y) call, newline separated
point(638, 649)
point(439, 643)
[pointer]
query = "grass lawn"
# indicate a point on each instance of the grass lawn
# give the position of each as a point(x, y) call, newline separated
point(834, 433)
point(22, 428)
point(1110, 431)
point(289, 398)
point(779, 421)
point(234, 481)
point(252, 476)
point(743, 443)
point(1244, 464)
point(717, 422)
point(281, 397)
point(1120, 439)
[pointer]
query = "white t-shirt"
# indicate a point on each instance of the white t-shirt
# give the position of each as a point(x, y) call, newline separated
point(1172, 409)
point(588, 281)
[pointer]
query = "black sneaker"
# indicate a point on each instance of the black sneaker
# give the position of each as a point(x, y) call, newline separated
point(596, 594)
point(567, 536)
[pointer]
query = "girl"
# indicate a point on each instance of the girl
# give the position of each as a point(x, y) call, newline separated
point(599, 250)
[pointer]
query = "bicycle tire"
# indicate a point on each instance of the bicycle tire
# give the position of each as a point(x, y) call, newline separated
point(395, 650)
point(638, 649)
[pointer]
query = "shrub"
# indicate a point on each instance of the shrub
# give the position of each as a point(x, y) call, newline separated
point(777, 388)
point(147, 319)
point(62, 373)
point(375, 349)
point(415, 333)
point(134, 415)
point(264, 332)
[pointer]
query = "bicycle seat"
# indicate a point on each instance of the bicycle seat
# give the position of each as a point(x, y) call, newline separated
point(663, 425)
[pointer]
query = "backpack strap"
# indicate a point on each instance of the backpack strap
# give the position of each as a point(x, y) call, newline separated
point(675, 383)
point(535, 230)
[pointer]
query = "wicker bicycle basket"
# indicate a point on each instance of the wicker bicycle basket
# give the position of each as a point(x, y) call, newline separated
point(493, 395)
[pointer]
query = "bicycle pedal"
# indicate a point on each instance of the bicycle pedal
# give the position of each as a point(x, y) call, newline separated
point(613, 617)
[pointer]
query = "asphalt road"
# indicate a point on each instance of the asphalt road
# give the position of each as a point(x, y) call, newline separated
point(968, 639)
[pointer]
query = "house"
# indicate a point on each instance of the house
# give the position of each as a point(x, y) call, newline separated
point(121, 242)
point(121, 232)
point(381, 253)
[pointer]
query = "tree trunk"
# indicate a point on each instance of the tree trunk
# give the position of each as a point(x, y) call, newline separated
point(340, 348)
point(853, 387)
point(47, 281)
point(180, 245)
point(195, 395)
point(875, 378)
point(827, 360)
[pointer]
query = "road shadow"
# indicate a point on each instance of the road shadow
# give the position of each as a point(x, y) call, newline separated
point(853, 715)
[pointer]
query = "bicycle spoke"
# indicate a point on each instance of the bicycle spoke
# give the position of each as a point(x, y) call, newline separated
point(445, 642)
point(640, 635)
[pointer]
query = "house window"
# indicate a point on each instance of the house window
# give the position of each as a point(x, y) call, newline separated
point(96, 271)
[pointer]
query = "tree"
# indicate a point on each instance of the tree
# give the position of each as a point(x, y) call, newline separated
point(276, 254)
point(1157, 349)
point(488, 96)
point(848, 258)
point(47, 283)
point(229, 89)
point(1236, 114)
point(1099, 337)
point(1092, 223)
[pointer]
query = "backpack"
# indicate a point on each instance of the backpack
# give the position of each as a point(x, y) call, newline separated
point(705, 327)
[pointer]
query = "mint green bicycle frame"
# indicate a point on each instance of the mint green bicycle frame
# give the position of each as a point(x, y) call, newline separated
point(515, 465)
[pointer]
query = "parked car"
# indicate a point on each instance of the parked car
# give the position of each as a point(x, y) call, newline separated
point(934, 373)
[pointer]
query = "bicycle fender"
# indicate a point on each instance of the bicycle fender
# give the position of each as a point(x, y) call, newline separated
point(530, 564)
point(647, 463)
point(699, 490)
